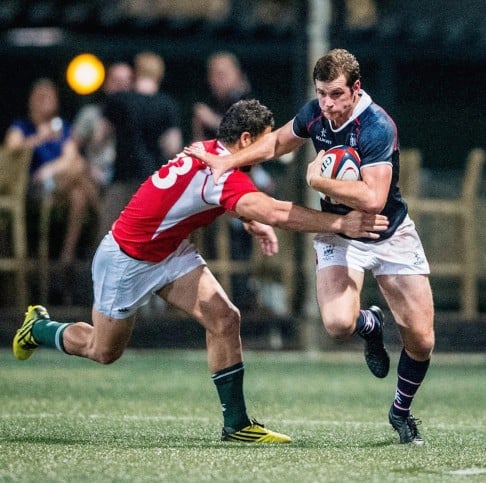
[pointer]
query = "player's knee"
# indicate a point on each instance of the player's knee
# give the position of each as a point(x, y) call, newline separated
point(339, 328)
point(106, 356)
point(226, 323)
point(426, 346)
point(421, 346)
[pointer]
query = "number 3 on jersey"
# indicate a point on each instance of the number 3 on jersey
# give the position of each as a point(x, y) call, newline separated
point(175, 168)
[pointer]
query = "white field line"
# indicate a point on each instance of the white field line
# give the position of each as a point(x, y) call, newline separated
point(300, 422)
point(468, 471)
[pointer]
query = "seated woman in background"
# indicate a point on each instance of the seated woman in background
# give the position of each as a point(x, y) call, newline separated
point(57, 168)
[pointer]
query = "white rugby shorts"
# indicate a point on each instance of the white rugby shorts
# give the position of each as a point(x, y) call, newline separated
point(122, 284)
point(401, 254)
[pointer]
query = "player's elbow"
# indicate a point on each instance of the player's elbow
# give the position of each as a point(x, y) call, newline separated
point(372, 209)
point(259, 207)
point(372, 206)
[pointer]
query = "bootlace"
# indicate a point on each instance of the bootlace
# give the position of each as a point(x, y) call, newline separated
point(412, 423)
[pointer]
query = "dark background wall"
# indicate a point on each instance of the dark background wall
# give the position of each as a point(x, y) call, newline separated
point(425, 62)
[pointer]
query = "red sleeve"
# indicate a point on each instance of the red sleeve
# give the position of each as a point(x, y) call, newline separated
point(236, 185)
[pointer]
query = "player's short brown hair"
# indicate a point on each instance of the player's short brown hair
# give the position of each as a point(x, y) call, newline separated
point(335, 63)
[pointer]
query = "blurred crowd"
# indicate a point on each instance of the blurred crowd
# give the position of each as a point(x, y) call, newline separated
point(90, 166)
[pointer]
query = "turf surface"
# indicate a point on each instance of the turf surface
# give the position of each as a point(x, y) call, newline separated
point(154, 416)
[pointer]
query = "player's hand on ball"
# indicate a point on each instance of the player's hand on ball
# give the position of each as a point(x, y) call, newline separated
point(314, 168)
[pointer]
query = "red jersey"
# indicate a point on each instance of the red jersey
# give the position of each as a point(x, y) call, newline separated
point(176, 200)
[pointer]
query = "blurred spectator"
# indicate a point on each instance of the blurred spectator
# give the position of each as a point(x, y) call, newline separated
point(146, 122)
point(227, 84)
point(361, 14)
point(92, 134)
point(57, 167)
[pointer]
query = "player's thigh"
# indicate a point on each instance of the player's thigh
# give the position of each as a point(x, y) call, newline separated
point(409, 298)
point(338, 293)
point(109, 334)
point(200, 295)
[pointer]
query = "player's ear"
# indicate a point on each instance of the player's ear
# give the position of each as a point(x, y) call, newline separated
point(245, 139)
point(356, 86)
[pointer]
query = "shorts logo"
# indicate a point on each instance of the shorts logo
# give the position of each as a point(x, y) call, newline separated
point(419, 259)
point(123, 310)
point(327, 252)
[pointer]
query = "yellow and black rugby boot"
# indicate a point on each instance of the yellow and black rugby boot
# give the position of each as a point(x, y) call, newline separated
point(254, 433)
point(24, 344)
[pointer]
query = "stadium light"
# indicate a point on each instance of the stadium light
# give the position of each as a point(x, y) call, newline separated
point(85, 74)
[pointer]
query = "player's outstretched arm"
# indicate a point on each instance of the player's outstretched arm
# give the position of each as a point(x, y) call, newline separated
point(284, 214)
point(269, 146)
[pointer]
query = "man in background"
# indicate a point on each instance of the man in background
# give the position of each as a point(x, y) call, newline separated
point(227, 84)
point(146, 125)
point(93, 135)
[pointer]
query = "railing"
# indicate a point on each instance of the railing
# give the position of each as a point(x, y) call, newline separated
point(449, 226)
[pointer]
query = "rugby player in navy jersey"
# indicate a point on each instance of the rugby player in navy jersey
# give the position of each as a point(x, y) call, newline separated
point(147, 253)
point(343, 113)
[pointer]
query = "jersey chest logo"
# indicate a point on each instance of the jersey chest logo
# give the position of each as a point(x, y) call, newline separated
point(322, 137)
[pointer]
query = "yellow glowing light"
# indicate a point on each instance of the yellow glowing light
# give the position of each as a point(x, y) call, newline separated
point(85, 74)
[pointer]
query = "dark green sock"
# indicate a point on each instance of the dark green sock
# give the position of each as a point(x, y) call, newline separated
point(229, 384)
point(49, 333)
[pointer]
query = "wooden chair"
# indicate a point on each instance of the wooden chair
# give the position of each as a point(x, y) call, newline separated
point(278, 268)
point(277, 274)
point(14, 181)
point(456, 215)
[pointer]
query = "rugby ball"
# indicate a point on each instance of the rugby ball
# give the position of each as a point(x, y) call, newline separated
point(340, 162)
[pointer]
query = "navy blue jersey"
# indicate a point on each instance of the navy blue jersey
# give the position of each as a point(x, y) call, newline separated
point(370, 131)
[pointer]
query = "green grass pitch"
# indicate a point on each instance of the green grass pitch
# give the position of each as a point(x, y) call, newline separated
point(154, 416)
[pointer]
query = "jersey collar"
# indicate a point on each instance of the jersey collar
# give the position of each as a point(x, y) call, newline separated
point(221, 149)
point(363, 103)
